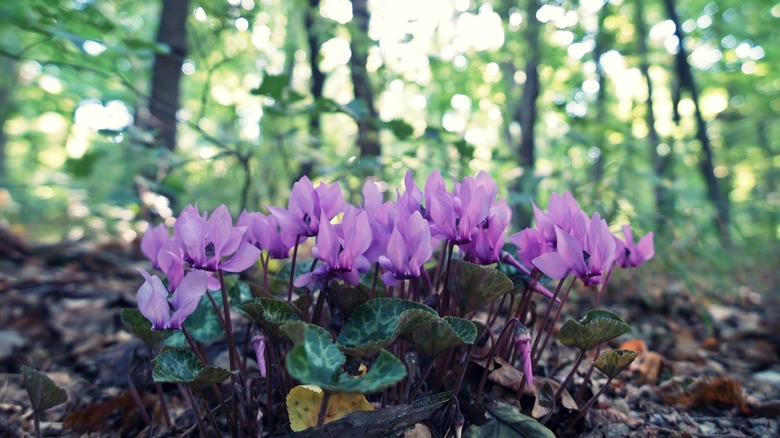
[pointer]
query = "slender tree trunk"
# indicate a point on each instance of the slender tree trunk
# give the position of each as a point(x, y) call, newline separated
point(715, 192)
point(7, 82)
point(664, 200)
point(525, 113)
point(597, 171)
point(368, 134)
point(317, 79)
point(166, 72)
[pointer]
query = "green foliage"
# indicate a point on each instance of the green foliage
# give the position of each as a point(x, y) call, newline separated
point(506, 421)
point(474, 286)
point(432, 336)
point(375, 325)
point(612, 362)
point(138, 325)
point(271, 314)
point(180, 365)
point(316, 360)
point(596, 327)
point(43, 392)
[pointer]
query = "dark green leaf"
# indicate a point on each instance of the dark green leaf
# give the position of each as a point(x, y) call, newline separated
point(316, 360)
point(506, 421)
point(612, 362)
point(374, 325)
point(474, 286)
point(204, 323)
point(180, 365)
point(435, 335)
point(272, 86)
point(400, 128)
point(43, 392)
point(137, 324)
point(596, 327)
point(347, 298)
point(271, 314)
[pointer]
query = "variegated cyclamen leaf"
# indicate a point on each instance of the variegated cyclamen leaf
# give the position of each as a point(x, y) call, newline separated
point(180, 365)
point(316, 360)
point(435, 335)
point(137, 324)
point(375, 325)
point(347, 297)
point(475, 286)
point(612, 362)
point(271, 314)
point(204, 323)
point(596, 327)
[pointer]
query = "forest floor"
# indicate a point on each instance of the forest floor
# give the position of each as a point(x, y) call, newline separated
point(708, 366)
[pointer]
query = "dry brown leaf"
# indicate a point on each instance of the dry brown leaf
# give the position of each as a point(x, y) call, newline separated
point(566, 399)
point(115, 414)
point(506, 375)
point(648, 368)
point(718, 390)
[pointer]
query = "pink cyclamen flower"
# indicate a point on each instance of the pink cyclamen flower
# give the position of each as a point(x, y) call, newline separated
point(153, 241)
point(154, 305)
point(487, 242)
point(588, 260)
point(263, 232)
point(342, 254)
point(258, 343)
point(455, 216)
point(523, 347)
point(629, 254)
point(306, 206)
point(408, 248)
point(206, 240)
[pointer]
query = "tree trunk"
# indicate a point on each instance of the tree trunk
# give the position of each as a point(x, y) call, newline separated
point(317, 79)
point(166, 72)
point(597, 170)
point(706, 162)
point(7, 83)
point(525, 113)
point(368, 134)
point(664, 199)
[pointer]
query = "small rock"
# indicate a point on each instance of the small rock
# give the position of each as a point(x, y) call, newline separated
point(657, 419)
point(771, 377)
point(618, 430)
point(9, 340)
point(708, 428)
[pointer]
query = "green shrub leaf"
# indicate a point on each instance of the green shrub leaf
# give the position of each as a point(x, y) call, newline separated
point(137, 324)
point(612, 362)
point(43, 392)
point(271, 314)
point(180, 365)
point(596, 327)
point(474, 286)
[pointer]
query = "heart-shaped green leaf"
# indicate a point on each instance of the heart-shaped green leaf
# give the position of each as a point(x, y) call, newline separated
point(474, 286)
point(43, 392)
point(271, 314)
point(180, 365)
point(612, 362)
point(375, 325)
point(347, 297)
point(204, 323)
point(506, 421)
point(238, 292)
point(434, 335)
point(137, 324)
point(596, 327)
point(316, 360)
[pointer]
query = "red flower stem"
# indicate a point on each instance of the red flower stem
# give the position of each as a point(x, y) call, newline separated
point(163, 404)
point(590, 402)
point(420, 382)
point(323, 409)
point(489, 360)
point(292, 269)
point(315, 318)
point(137, 399)
point(37, 421)
point(554, 320)
point(264, 262)
point(573, 371)
point(437, 274)
point(544, 319)
point(494, 312)
point(444, 305)
point(188, 395)
point(216, 309)
point(232, 351)
point(581, 389)
point(374, 282)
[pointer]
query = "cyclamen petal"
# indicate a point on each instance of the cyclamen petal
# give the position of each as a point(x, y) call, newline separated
point(191, 231)
point(258, 344)
point(552, 265)
point(288, 222)
point(192, 287)
point(570, 251)
point(245, 256)
point(152, 303)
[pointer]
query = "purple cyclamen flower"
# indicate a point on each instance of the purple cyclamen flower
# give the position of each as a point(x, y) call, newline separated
point(154, 305)
point(258, 343)
point(342, 254)
point(486, 244)
point(411, 199)
point(408, 248)
point(205, 240)
point(456, 216)
point(523, 346)
point(564, 213)
point(153, 241)
point(629, 254)
point(588, 260)
point(306, 206)
point(263, 232)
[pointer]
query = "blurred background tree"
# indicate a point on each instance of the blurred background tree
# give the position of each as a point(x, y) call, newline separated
point(660, 112)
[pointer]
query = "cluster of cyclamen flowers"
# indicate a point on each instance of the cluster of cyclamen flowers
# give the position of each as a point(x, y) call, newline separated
point(398, 236)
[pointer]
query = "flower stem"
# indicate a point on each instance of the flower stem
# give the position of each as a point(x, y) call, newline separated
point(292, 269)
point(544, 320)
point(554, 320)
point(568, 378)
point(444, 305)
point(374, 281)
point(323, 409)
point(590, 402)
point(37, 420)
point(420, 382)
point(489, 360)
point(188, 395)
